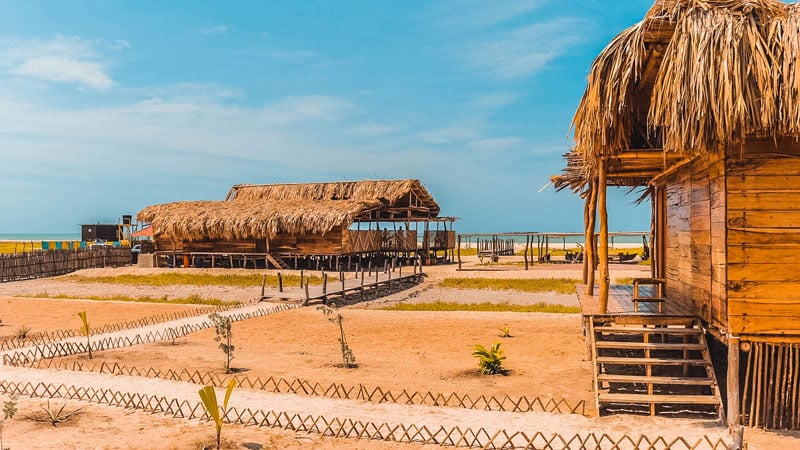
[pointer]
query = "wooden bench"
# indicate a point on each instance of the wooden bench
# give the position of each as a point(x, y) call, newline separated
point(658, 291)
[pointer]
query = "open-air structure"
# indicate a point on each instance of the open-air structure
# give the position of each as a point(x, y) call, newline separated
point(304, 225)
point(699, 105)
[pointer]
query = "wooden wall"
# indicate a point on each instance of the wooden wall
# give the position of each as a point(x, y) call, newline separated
point(764, 239)
point(695, 206)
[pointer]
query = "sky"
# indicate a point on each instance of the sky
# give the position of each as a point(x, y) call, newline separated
point(110, 106)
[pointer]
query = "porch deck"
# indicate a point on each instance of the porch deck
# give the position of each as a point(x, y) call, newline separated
point(621, 310)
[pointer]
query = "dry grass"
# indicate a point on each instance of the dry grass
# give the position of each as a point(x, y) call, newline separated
point(170, 279)
point(558, 285)
point(190, 300)
point(485, 307)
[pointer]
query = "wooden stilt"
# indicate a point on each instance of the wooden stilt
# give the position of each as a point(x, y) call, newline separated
point(589, 257)
point(603, 244)
point(459, 253)
point(733, 382)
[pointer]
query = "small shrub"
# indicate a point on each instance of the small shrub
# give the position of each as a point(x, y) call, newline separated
point(505, 332)
point(22, 332)
point(348, 358)
point(54, 415)
point(86, 330)
point(490, 362)
point(209, 397)
point(223, 328)
point(9, 411)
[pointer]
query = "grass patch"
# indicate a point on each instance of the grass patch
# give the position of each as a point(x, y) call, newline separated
point(171, 278)
point(623, 280)
point(558, 285)
point(190, 300)
point(485, 307)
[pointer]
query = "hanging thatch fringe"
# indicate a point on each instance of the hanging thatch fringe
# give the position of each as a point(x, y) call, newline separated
point(728, 72)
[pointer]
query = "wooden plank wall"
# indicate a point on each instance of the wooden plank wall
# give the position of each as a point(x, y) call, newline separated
point(695, 224)
point(764, 240)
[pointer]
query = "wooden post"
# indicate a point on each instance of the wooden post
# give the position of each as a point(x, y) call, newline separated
point(459, 253)
point(376, 282)
point(362, 284)
point(280, 282)
point(306, 289)
point(324, 283)
point(263, 285)
point(525, 253)
point(733, 383)
point(586, 233)
point(301, 278)
point(341, 277)
point(589, 250)
point(603, 244)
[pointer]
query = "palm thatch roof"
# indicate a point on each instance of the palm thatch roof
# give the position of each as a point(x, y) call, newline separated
point(694, 77)
point(259, 211)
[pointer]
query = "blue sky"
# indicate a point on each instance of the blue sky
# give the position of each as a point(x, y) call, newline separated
point(109, 106)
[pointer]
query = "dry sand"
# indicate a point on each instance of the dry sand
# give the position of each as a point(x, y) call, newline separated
point(396, 350)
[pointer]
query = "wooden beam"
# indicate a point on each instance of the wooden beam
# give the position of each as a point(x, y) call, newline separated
point(733, 382)
point(603, 244)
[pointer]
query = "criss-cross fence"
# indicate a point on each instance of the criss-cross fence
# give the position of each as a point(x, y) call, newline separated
point(27, 357)
point(50, 263)
point(333, 390)
point(45, 337)
point(357, 429)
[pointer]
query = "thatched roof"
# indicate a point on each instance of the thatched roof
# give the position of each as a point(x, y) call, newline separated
point(693, 77)
point(258, 211)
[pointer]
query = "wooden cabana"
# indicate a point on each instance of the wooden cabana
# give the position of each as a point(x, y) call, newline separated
point(290, 224)
point(699, 106)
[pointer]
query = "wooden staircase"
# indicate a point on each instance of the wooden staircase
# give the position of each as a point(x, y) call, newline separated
point(654, 368)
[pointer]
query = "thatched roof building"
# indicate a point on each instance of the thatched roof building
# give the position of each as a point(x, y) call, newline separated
point(699, 103)
point(259, 211)
point(694, 77)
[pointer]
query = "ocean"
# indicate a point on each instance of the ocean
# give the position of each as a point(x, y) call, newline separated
point(40, 236)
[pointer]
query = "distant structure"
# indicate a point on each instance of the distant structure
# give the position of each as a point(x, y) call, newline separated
point(304, 225)
point(108, 232)
point(699, 105)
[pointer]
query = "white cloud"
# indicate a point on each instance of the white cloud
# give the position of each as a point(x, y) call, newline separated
point(70, 60)
point(462, 15)
point(526, 50)
point(54, 68)
point(214, 30)
point(495, 144)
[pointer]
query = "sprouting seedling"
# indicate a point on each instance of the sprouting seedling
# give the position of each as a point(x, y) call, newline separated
point(505, 332)
point(209, 397)
point(86, 330)
point(348, 358)
point(223, 327)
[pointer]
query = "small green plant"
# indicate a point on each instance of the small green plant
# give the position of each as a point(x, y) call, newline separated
point(54, 415)
point(209, 397)
point(505, 332)
point(86, 330)
point(22, 332)
point(223, 328)
point(490, 362)
point(9, 411)
point(348, 358)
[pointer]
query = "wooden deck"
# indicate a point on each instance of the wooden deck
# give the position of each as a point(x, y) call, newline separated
point(621, 310)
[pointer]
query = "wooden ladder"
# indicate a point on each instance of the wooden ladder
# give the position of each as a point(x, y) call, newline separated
point(654, 365)
point(277, 261)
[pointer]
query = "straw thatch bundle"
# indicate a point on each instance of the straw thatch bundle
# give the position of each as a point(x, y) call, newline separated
point(698, 76)
point(260, 211)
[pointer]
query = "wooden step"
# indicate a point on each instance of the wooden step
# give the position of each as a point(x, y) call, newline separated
point(650, 361)
point(642, 330)
point(649, 345)
point(642, 379)
point(662, 399)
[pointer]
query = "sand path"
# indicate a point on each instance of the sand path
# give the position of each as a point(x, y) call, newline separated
point(392, 414)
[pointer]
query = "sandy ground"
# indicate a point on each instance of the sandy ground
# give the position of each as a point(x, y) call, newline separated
point(400, 350)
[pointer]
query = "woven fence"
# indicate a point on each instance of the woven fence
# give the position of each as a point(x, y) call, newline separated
point(27, 357)
point(348, 428)
point(45, 337)
point(40, 264)
point(332, 390)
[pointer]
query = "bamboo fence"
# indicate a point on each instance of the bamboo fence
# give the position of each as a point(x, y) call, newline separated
point(355, 429)
point(771, 396)
point(51, 263)
point(333, 390)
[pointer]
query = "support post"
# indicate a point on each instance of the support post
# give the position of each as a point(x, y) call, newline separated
point(589, 257)
point(733, 383)
point(459, 252)
point(280, 282)
point(603, 244)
